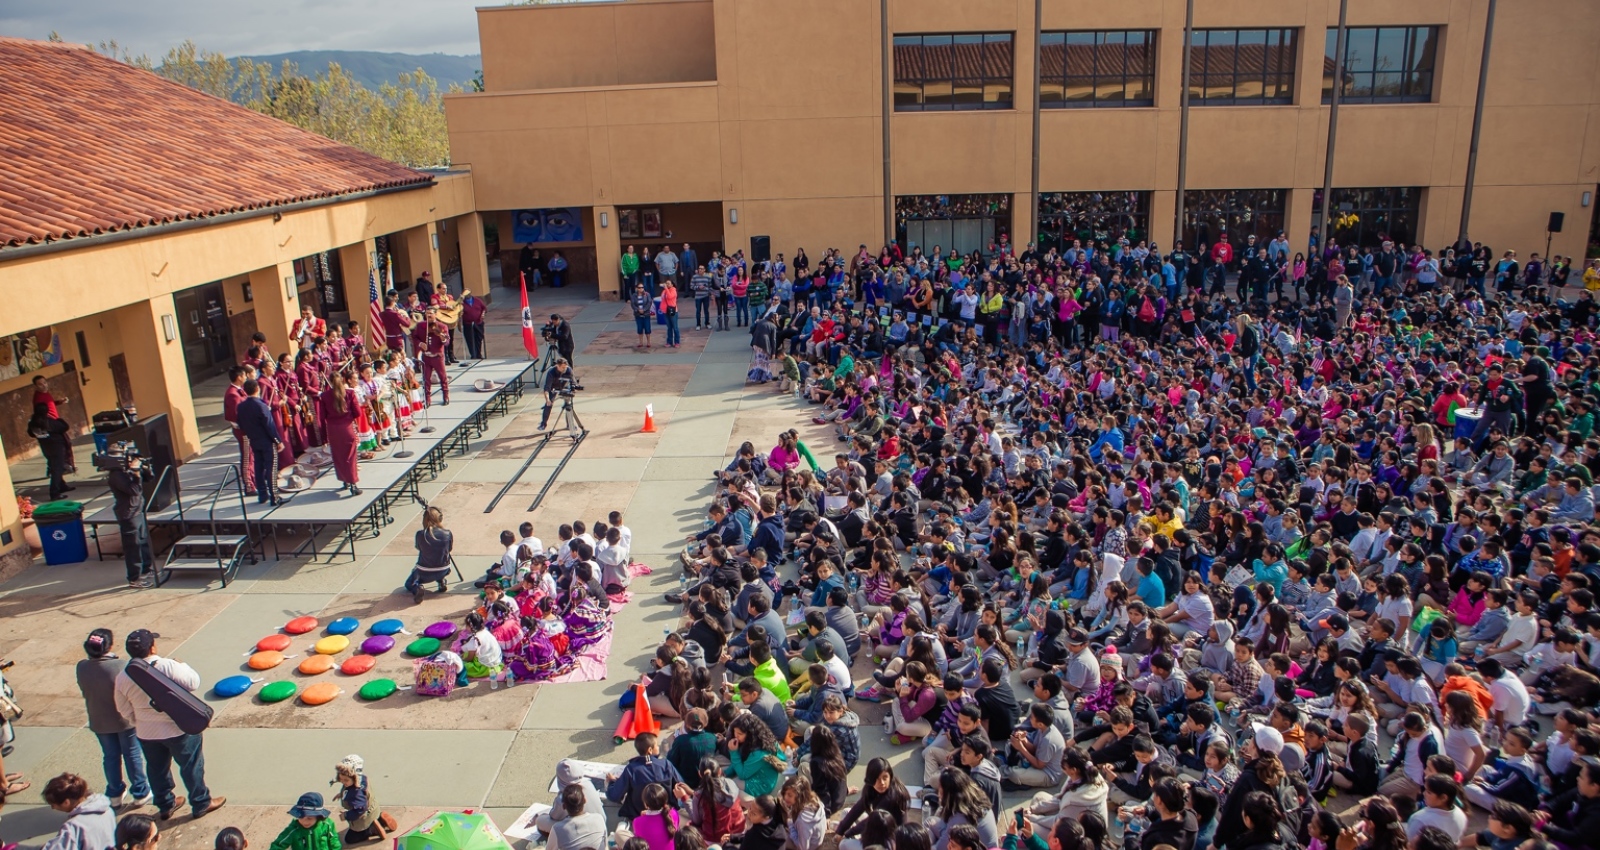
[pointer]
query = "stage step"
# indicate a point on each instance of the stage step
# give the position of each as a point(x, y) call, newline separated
point(206, 541)
point(196, 564)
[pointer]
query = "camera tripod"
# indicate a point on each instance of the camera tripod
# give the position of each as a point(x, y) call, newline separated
point(571, 426)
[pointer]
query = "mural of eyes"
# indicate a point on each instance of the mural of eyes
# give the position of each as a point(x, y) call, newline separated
point(562, 226)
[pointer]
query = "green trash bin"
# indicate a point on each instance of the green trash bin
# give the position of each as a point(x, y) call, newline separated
point(61, 532)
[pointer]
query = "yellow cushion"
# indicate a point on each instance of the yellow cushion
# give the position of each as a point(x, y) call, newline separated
point(333, 645)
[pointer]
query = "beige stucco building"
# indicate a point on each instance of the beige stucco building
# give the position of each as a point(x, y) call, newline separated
point(141, 247)
point(724, 120)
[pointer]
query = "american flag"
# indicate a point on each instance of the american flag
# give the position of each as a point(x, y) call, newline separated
point(375, 329)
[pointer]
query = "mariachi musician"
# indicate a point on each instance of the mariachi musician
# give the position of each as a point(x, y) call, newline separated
point(431, 347)
point(395, 323)
point(307, 328)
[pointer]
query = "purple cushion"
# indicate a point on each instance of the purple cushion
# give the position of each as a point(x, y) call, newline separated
point(442, 630)
point(377, 645)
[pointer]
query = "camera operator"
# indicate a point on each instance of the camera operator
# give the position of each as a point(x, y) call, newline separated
point(560, 332)
point(127, 474)
point(558, 381)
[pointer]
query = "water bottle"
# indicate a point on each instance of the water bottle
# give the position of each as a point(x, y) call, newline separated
point(683, 582)
point(1021, 644)
point(865, 621)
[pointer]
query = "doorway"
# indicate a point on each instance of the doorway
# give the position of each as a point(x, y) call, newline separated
point(203, 328)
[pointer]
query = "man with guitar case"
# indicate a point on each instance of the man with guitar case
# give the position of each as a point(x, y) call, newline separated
point(156, 695)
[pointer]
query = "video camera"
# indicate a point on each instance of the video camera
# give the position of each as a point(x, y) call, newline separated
point(123, 454)
point(567, 384)
point(548, 331)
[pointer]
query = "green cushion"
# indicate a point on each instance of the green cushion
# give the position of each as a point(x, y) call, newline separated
point(278, 691)
point(422, 647)
point(377, 689)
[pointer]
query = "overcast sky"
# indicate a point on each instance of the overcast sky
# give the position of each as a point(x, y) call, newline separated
point(251, 27)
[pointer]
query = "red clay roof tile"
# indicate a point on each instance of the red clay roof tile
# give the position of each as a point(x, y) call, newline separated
point(91, 145)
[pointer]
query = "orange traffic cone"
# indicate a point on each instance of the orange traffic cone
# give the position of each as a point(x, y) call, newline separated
point(643, 719)
point(649, 420)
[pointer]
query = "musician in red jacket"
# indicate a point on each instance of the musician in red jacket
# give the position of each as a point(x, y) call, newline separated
point(308, 327)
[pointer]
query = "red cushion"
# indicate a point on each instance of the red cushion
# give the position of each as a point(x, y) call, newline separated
point(300, 625)
point(355, 665)
point(273, 643)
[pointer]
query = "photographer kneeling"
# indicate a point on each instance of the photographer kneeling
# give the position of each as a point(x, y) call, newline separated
point(559, 381)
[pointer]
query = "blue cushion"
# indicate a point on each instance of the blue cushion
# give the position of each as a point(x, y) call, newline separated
point(387, 627)
point(343, 626)
point(233, 686)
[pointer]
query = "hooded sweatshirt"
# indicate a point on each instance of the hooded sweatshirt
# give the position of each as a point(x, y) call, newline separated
point(716, 810)
point(1218, 657)
point(808, 828)
point(91, 826)
point(1053, 650)
point(593, 803)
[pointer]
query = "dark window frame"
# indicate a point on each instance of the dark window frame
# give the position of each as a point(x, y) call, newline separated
point(1363, 76)
point(1364, 216)
point(1275, 73)
point(1098, 76)
point(1093, 216)
point(993, 72)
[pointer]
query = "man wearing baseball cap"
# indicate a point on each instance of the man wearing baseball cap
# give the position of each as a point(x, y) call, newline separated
point(159, 737)
point(119, 747)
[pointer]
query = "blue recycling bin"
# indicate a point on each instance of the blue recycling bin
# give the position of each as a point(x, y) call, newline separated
point(61, 532)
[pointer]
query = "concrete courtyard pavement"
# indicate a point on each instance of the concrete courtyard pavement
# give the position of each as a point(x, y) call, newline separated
point(480, 749)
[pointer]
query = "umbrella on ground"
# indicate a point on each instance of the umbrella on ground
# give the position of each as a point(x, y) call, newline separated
point(454, 831)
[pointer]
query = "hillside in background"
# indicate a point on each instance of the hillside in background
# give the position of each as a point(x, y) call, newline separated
point(373, 69)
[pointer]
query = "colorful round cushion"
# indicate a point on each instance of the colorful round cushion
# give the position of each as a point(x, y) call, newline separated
point(377, 644)
point(300, 625)
point(319, 694)
point(387, 627)
point(278, 691)
point(265, 660)
point(273, 643)
point(422, 647)
point(343, 626)
point(316, 664)
point(355, 665)
point(232, 686)
point(443, 630)
point(332, 645)
point(377, 689)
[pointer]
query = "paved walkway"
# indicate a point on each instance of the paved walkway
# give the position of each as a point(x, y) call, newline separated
point(493, 750)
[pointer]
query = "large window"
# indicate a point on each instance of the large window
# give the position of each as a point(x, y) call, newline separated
point(960, 223)
point(1382, 65)
point(1092, 217)
point(1106, 68)
point(945, 72)
point(1232, 214)
point(1366, 218)
point(1229, 67)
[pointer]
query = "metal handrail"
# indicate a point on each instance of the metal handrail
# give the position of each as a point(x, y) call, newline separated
point(231, 473)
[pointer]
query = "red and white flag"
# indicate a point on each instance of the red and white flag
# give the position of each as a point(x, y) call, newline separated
point(530, 341)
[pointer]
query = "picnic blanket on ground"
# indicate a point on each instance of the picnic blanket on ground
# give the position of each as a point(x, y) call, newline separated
point(635, 569)
point(591, 666)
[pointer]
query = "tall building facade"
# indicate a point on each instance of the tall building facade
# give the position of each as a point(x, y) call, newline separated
point(830, 123)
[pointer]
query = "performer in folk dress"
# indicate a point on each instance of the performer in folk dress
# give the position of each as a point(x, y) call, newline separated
point(339, 411)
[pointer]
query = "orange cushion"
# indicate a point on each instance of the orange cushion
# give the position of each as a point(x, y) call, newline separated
point(355, 665)
point(265, 660)
point(300, 625)
point(316, 664)
point(273, 643)
point(319, 693)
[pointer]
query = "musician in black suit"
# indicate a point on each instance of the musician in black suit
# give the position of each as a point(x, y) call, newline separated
point(256, 423)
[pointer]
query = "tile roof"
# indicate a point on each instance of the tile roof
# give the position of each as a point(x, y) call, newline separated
point(90, 145)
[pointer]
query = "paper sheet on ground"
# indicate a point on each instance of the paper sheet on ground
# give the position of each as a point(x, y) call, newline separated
point(589, 769)
point(523, 827)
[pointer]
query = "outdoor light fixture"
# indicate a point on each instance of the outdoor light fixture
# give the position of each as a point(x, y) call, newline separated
point(435, 241)
point(1587, 197)
point(169, 326)
point(288, 287)
point(733, 215)
point(605, 220)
